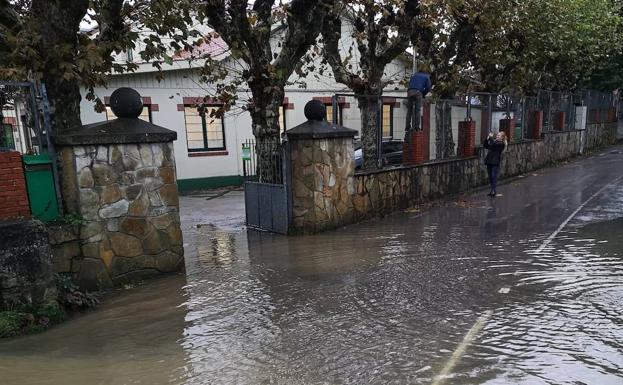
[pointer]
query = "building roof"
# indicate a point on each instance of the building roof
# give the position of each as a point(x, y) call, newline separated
point(214, 46)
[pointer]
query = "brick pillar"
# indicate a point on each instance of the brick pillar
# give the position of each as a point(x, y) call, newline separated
point(559, 121)
point(508, 126)
point(426, 130)
point(466, 139)
point(593, 115)
point(612, 114)
point(536, 124)
point(13, 196)
point(413, 153)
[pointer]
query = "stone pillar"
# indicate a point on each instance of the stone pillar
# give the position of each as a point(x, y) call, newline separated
point(508, 126)
point(321, 173)
point(559, 121)
point(413, 151)
point(536, 125)
point(467, 139)
point(120, 178)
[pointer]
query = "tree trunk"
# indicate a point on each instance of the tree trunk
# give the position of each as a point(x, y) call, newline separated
point(443, 130)
point(369, 110)
point(265, 125)
point(59, 23)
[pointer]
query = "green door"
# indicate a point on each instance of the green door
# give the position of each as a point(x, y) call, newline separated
point(40, 185)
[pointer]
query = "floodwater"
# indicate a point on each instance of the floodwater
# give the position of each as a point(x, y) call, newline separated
point(523, 289)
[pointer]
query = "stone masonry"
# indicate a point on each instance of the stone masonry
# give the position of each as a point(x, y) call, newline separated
point(119, 177)
point(127, 197)
point(321, 172)
point(323, 184)
point(381, 192)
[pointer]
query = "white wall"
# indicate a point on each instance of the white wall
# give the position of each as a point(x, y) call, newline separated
point(181, 80)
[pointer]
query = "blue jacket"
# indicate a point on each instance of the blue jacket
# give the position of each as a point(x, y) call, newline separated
point(420, 81)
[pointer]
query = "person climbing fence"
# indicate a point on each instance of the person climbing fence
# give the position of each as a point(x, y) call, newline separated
point(419, 86)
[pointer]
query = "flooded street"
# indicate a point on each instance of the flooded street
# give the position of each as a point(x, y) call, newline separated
point(523, 289)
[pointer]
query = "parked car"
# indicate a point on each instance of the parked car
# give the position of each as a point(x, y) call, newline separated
point(392, 153)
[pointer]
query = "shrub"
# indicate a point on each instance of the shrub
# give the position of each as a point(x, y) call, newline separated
point(11, 323)
point(72, 298)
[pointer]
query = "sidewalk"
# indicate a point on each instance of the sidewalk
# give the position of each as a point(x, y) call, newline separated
point(223, 208)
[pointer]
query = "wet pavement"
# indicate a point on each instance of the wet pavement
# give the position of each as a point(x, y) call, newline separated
point(526, 288)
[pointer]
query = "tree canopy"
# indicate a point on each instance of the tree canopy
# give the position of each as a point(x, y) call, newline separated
point(518, 46)
point(67, 44)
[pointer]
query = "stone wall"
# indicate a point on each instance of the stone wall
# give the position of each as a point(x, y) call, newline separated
point(382, 192)
point(26, 271)
point(65, 243)
point(127, 197)
point(600, 135)
point(322, 183)
point(323, 176)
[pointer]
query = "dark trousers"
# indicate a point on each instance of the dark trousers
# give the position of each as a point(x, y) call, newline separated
point(414, 106)
point(492, 170)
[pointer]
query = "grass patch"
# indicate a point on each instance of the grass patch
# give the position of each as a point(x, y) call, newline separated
point(28, 320)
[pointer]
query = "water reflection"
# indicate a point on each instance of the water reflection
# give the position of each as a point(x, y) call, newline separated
point(383, 302)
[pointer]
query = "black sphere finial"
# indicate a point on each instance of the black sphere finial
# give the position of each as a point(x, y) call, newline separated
point(315, 110)
point(126, 102)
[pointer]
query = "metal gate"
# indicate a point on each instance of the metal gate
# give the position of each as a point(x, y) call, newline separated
point(265, 190)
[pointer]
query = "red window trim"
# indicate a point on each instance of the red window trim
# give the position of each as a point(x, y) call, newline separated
point(10, 120)
point(391, 101)
point(198, 100)
point(328, 100)
point(146, 102)
point(285, 104)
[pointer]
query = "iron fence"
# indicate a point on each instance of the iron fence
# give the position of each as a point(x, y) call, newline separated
point(21, 123)
point(262, 161)
point(517, 114)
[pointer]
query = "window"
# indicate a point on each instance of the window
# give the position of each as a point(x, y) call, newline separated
point(145, 114)
point(329, 108)
point(203, 132)
point(388, 120)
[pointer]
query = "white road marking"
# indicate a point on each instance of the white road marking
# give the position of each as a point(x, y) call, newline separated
point(458, 352)
point(482, 320)
point(573, 214)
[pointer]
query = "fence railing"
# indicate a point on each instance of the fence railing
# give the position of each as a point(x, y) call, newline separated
point(262, 161)
point(21, 122)
point(554, 111)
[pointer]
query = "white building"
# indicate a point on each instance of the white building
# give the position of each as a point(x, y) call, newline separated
point(208, 151)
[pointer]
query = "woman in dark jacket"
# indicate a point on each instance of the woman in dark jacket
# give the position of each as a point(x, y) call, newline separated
point(493, 158)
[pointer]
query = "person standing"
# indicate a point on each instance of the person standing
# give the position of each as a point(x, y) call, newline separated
point(419, 86)
point(495, 146)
